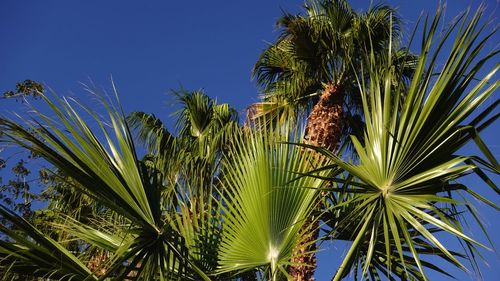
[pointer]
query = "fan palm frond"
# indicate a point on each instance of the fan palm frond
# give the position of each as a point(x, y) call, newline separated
point(264, 206)
point(411, 160)
point(111, 174)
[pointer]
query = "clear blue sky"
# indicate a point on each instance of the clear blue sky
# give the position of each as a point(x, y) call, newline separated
point(150, 47)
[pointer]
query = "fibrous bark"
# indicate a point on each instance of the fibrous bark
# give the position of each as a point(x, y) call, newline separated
point(323, 129)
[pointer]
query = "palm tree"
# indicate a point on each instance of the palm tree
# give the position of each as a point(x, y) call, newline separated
point(145, 245)
point(193, 157)
point(205, 129)
point(321, 52)
point(405, 187)
point(311, 69)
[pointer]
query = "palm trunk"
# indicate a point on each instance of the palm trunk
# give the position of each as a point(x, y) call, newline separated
point(324, 129)
point(324, 124)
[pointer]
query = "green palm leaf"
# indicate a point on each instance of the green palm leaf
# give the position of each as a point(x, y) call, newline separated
point(264, 206)
point(410, 160)
point(29, 252)
point(111, 173)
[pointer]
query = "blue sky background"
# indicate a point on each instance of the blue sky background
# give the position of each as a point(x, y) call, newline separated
point(151, 47)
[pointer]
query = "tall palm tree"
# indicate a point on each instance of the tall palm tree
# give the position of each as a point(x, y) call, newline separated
point(311, 69)
point(205, 133)
point(321, 52)
point(405, 187)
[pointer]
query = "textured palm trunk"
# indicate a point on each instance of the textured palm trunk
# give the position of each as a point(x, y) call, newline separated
point(324, 124)
point(324, 129)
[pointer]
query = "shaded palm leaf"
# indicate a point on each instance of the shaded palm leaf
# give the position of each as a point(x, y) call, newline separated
point(28, 252)
point(111, 174)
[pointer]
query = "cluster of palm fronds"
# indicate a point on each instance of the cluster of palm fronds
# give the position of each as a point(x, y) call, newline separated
point(220, 202)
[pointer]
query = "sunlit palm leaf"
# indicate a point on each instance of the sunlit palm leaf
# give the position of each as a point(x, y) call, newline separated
point(264, 208)
point(411, 159)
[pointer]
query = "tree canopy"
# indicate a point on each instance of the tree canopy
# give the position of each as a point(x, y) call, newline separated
point(130, 199)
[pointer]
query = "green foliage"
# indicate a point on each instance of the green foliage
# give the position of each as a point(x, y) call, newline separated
point(30, 252)
point(404, 187)
point(265, 207)
point(24, 89)
point(114, 177)
point(325, 45)
point(218, 202)
point(16, 191)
